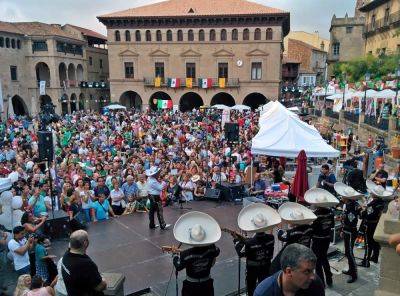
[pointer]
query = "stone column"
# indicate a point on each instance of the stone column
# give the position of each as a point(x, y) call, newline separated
point(392, 123)
point(389, 282)
point(361, 118)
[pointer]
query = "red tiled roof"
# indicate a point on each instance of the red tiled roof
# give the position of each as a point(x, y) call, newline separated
point(306, 45)
point(195, 8)
point(89, 33)
point(287, 60)
point(9, 28)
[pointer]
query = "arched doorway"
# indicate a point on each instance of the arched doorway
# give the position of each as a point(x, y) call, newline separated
point(81, 102)
point(79, 73)
point(62, 74)
point(130, 99)
point(158, 96)
point(45, 99)
point(71, 75)
point(64, 104)
point(255, 100)
point(224, 99)
point(19, 106)
point(72, 103)
point(43, 73)
point(190, 101)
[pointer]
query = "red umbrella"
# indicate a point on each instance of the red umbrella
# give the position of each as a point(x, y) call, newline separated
point(300, 184)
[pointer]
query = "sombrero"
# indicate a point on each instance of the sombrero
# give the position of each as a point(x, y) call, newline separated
point(378, 190)
point(347, 191)
point(152, 171)
point(195, 178)
point(197, 229)
point(258, 217)
point(320, 198)
point(295, 213)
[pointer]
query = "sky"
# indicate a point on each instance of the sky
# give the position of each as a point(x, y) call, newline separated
point(306, 15)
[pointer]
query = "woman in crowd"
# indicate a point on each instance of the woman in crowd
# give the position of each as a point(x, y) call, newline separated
point(37, 288)
point(117, 198)
point(23, 285)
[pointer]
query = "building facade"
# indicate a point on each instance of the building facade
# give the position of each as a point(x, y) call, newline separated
point(42, 63)
point(382, 26)
point(313, 39)
point(196, 53)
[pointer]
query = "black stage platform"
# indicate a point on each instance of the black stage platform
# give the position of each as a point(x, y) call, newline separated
point(126, 245)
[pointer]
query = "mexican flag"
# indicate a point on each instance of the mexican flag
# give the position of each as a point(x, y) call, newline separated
point(164, 104)
point(380, 85)
point(206, 83)
point(174, 82)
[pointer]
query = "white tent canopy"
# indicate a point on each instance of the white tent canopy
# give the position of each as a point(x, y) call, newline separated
point(115, 107)
point(240, 107)
point(282, 133)
point(220, 107)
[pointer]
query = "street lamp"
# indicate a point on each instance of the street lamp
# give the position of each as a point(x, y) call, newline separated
point(367, 78)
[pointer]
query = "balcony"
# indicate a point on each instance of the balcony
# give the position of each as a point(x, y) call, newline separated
point(289, 73)
point(383, 24)
point(351, 116)
point(382, 124)
point(229, 83)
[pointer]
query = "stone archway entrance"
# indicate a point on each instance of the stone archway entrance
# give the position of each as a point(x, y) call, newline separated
point(160, 95)
point(45, 99)
point(64, 104)
point(19, 106)
point(190, 101)
point(255, 100)
point(224, 99)
point(131, 99)
point(81, 103)
point(72, 103)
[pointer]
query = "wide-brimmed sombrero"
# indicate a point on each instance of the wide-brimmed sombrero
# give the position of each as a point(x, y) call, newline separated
point(320, 197)
point(378, 190)
point(197, 229)
point(347, 191)
point(152, 171)
point(195, 178)
point(258, 217)
point(295, 213)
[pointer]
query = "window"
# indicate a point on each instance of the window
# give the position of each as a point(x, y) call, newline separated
point(201, 35)
point(117, 36)
point(373, 21)
point(246, 34)
point(148, 36)
point(158, 36)
point(90, 61)
point(169, 35)
point(13, 43)
point(180, 35)
point(223, 35)
point(190, 35)
point(191, 70)
point(336, 48)
point(1, 42)
point(129, 73)
point(257, 34)
point(159, 70)
point(322, 46)
point(222, 70)
point(387, 15)
point(127, 36)
point(19, 44)
point(101, 63)
point(8, 42)
point(235, 35)
point(13, 73)
point(212, 35)
point(256, 71)
point(270, 34)
point(41, 45)
point(138, 36)
point(349, 30)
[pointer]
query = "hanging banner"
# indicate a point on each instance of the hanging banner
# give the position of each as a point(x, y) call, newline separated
point(1, 98)
point(226, 117)
point(42, 88)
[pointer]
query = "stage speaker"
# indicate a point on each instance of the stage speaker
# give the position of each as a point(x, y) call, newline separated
point(57, 227)
point(46, 149)
point(212, 193)
point(232, 132)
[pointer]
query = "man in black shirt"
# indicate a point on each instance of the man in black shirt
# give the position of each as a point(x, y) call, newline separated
point(380, 176)
point(79, 272)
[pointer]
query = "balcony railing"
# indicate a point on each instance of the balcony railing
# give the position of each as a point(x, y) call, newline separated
point(290, 74)
point(382, 124)
point(351, 116)
point(383, 23)
point(330, 113)
point(229, 83)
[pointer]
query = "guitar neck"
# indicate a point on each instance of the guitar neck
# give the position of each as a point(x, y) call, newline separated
point(233, 233)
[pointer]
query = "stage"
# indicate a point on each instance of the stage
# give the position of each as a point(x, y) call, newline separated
point(126, 245)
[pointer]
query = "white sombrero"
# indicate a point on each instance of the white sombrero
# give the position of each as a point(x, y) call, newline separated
point(295, 213)
point(152, 171)
point(195, 178)
point(197, 229)
point(378, 190)
point(320, 198)
point(258, 217)
point(347, 191)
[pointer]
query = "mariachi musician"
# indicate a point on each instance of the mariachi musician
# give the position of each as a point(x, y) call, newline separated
point(201, 232)
point(256, 218)
point(300, 230)
point(323, 201)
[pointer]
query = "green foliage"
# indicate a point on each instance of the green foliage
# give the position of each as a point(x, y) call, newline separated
point(379, 67)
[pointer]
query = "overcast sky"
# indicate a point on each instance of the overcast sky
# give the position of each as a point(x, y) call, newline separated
point(306, 15)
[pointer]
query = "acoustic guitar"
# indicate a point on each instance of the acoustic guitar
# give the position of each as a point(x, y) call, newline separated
point(171, 249)
point(234, 234)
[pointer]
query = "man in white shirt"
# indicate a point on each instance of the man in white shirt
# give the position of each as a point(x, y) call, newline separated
point(19, 247)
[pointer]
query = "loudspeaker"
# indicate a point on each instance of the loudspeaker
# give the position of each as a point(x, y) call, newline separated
point(212, 193)
point(57, 227)
point(232, 132)
point(46, 149)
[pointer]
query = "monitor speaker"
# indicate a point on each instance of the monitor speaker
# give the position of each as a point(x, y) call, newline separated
point(46, 149)
point(59, 226)
point(213, 194)
point(232, 132)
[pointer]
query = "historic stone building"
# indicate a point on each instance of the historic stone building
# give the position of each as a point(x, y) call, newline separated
point(313, 39)
point(42, 63)
point(382, 26)
point(196, 53)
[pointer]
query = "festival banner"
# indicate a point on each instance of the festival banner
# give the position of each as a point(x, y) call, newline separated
point(205, 82)
point(157, 82)
point(221, 82)
point(189, 82)
point(174, 82)
point(42, 88)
